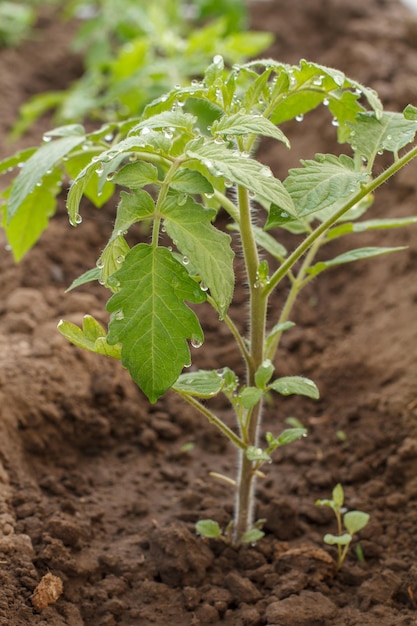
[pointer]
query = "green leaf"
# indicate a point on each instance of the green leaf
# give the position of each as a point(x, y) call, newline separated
point(410, 112)
point(201, 384)
point(168, 119)
point(249, 397)
point(245, 124)
point(289, 435)
point(370, 135)
point(150, 318)
point(299, 385)
point(338, 496)
point(207, 249)
point(87, 277)
point(136, 175)
point(97, 189)
point(323, 185)
point(337, 540)
point(361, 227)
point(280, 328)
point(219, 160)
point(111, 259)
point(263, 374)
point(132, 208)
point(189, 181)
point(28, 223)
point(37, 167)
point(91, 337)
point(265, 241)
point(252, 536)
point(256, 454)
point(354, 521)
point(349, 257)
point(208, 528)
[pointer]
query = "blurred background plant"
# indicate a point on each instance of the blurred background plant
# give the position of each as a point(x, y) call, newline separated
point(134, 51)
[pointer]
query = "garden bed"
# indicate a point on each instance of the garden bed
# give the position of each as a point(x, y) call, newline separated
point(103, 490)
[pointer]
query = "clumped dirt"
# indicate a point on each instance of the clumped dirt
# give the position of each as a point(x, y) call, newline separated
point(97, 488)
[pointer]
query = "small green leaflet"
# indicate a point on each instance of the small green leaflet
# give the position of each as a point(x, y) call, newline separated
point(207, 249)
point(289, 385)
point(200, 384)
point(241, 170)
point(150, 318)
point(349, 257)
point(337, 540)
point(133, 207)
point(189, 181)
point(354, 521)
point(91, 337)
point(112, 258)
point(392, 131)
point(36, 167)
point(322, 185)
point(245, 124)
point(249, 397)
point(136, 175)
point(167, 119)
point(208, 528)
point(360, 227)
point(87, 277)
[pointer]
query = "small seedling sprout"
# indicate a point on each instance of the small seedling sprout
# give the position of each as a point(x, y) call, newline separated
point(348, 524)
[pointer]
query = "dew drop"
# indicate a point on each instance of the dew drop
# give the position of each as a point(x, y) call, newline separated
point(47, 138)
point(108, 137)
point(145, 131)
point(203, 286)
point(299, 118)
point(185, 260)
point(318, 81)
point(335, 121)
point(209, 195)
point(182, 199)
point(245, 154)
point(119, 315)
point(218, 60)
point(326, 102)
point(20, 165)
point(266, 171)
point(110, 176)
point(380, 152)
point(168, 133)
point(78, 219)
point(196, 342)
point(100, 264)
point(252, 194)
point(120, 259)
point(228, 183)
point(101, 281)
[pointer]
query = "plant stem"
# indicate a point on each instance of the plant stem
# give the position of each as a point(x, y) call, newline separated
point(258, 307)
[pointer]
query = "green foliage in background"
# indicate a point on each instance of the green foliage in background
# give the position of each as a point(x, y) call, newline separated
point(134, 51)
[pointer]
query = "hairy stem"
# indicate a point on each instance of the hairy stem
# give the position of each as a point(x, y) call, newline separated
point(258, 306)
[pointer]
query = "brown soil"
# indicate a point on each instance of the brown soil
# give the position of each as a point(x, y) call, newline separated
point(95, 488)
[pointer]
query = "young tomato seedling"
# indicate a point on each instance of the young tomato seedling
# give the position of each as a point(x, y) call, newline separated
point(191, 154)
point(348, 524)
